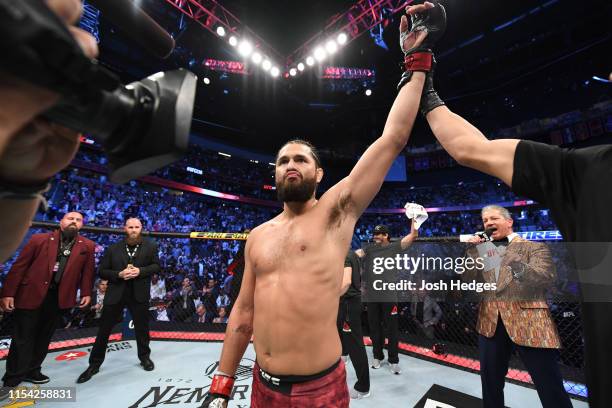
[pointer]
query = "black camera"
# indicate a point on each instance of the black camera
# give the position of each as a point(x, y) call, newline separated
point(142, 126)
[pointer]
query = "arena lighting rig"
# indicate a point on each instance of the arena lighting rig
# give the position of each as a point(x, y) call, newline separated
point(222, 23)
point(338, 32)
point(341, 30)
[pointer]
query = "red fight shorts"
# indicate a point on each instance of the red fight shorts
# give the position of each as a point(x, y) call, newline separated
point(326, 389)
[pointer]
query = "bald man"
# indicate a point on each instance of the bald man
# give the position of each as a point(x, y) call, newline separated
point(128, 266)
point(42, 282)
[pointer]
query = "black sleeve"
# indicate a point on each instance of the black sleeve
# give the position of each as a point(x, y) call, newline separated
point(547, 174)
point(554, 177)
point(557, 178)
point(347, 261)
point(153, 266)
point(105, 269)
point(351, 260)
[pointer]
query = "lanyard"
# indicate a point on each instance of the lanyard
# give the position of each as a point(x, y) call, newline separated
point(131, 254)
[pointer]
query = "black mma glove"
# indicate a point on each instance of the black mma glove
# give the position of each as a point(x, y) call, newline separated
point(428, 23)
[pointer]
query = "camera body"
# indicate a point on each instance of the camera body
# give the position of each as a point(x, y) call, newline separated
point(142, 126)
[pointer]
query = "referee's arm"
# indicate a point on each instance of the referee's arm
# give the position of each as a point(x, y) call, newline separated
point(470, 148)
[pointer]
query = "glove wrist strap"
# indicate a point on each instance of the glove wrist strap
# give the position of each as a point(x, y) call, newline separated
point(418, 61)
point(222, 385)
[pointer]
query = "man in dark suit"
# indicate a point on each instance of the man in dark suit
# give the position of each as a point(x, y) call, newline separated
point(128, 266)
point(426, 313)
point(382, 316)
point(42, 282)
point(183, 308)
point(349, 325)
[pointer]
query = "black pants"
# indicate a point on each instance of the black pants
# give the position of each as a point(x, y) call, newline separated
point(352, 341)
point(597, 326)
point(32, 332)
point(541, 364)
point(110, 315)
point(383, 316)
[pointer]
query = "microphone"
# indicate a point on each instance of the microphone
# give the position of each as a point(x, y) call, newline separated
point(486, 235)
point(137, 25)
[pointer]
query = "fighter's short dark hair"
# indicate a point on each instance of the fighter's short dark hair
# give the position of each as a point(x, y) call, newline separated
point(313, 149)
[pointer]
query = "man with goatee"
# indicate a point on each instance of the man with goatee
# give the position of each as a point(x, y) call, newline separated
point(294, 263)
point(128, 266)
point(41, 284)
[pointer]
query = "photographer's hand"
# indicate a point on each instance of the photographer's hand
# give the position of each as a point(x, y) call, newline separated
point(21, 103)
point(33, 150)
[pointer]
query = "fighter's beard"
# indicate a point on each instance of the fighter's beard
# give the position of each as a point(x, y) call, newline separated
point(287, 192)
point(133, 240)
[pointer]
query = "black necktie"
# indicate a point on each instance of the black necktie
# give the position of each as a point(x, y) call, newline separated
point(504, 241)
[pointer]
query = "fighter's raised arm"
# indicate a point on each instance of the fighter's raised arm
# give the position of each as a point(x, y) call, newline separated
point(428, 21)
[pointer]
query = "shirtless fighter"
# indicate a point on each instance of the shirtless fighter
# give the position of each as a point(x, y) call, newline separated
point(294, 263)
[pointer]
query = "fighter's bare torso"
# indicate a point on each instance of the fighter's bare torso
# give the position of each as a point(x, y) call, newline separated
point(298, 264)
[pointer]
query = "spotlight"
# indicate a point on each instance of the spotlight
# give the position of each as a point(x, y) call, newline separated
point(301, 66)
point(319, 54)
point(266, 65)
point(257, 57)
point(221, 31)
point(342, 38)
point(293, 72)
point(275, 71)
point(310, 61)
point(368, 92)
point(206, 80)
point(245, 48)
point(233, 41)
point(331, 46)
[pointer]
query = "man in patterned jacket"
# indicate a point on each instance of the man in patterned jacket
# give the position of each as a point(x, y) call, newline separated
point(520, 321)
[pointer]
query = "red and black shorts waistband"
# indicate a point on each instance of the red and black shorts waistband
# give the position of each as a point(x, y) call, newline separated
point(283, 383)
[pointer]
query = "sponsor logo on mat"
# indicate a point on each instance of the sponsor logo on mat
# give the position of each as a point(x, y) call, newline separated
point(186, 391)
point(185, 395)
point(71, 355)
point(120, 345)
point(5, 344)
point(243, 372)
